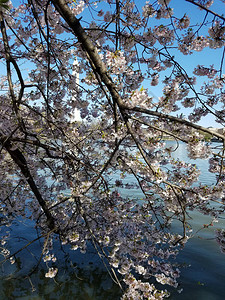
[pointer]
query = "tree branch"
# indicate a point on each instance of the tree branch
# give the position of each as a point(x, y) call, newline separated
point(205, 8)
point(21, 162)
point(176, 120)
point(88, 47)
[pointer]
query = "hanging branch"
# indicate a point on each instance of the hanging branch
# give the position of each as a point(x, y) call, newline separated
point(21, 162)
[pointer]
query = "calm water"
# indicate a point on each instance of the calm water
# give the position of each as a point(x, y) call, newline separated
point(82, 277)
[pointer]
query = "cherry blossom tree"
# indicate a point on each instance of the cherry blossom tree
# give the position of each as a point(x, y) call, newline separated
point(66, 175)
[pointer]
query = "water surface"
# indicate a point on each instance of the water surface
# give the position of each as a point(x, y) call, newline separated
point(83, 277)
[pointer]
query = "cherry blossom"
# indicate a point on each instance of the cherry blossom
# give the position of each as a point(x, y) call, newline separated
point(51, 273)
point(109, 179)
point(182, 23)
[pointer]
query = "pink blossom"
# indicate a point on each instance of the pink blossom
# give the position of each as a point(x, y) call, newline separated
point(182, 23)
point(51, 273)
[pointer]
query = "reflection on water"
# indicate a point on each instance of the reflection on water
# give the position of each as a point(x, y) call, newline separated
point(82, 277)
point(204, 276)
point(84, 284)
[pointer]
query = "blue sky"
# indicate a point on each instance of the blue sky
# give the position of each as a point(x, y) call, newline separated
point(206, 57)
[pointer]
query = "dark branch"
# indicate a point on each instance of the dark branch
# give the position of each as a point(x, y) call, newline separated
point(205, 8)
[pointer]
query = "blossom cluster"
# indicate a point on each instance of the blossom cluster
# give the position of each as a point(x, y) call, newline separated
point(51, 273)
point(182, 23)
point(116, 61)
point(71, 178)
point(217, 35)
point(203, 71)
